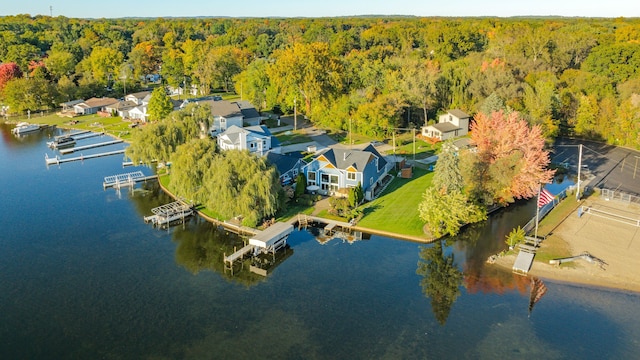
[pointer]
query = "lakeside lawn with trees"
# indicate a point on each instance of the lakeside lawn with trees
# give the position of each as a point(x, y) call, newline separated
point(374, 77)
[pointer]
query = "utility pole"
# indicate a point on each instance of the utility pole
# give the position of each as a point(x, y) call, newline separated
point(579, 168)
point(350, 138)
point(51, 10)
point(295, 114)
point(414, 144)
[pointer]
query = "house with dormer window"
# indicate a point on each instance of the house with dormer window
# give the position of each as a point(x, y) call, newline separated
point(452, 124)
point(255, 139)
point(335, 170)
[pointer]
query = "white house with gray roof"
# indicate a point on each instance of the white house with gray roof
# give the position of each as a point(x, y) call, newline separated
point(255, 139)
point(452, 124)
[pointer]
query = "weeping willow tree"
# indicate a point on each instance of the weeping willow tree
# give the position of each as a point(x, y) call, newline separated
point(239, 183)
point(158, 141)
point(190, 162)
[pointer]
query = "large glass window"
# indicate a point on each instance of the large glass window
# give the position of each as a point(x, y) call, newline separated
point(351, 175)
point(311, 178)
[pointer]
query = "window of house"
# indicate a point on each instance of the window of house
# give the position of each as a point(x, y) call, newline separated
point(324, 178)
point(370, 181)
point(351, 175)
point(311, 178)
point(252, 145)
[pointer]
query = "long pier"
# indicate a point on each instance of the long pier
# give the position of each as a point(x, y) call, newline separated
point(87, 136)
point(73, 134)
point(80, 148)
point(124, 180)
point(57, 160)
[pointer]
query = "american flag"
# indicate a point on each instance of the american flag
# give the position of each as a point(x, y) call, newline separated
point(544, 198)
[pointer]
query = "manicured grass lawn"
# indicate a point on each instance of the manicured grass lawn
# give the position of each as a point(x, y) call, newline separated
point(288, 138)
point(396, 210)
point(111, 125)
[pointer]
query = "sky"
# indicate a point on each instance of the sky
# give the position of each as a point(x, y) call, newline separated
point(316, 8)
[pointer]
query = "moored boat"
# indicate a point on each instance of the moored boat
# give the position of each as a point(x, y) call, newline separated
point(24, 127)
point(62, 142)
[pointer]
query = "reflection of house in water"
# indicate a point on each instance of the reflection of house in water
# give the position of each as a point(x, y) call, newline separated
point(261, 245)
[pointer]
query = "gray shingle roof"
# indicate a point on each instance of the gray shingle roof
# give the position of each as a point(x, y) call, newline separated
point(282, 162)
point(225, 109)
point(445, 127)
point(344, 158)
point(459, 113)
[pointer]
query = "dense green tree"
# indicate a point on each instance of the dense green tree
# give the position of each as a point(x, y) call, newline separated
point(444, 213)
point(189, 164)
point(239, 183)
point(60, 63)
point(160, 104)
point(447, 174)
point(32, 94)
point(301, 185)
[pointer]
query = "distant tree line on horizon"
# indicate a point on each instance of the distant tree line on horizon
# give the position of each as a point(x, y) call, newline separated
point(569, 76)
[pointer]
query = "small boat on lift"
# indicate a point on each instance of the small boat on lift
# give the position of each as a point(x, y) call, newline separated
point(62, 142)
point(25, 127)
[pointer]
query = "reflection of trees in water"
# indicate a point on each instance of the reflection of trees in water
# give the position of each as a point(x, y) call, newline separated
point(201, 246)
point(441, 279)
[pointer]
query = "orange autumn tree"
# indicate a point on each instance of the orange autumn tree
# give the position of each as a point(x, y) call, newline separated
point(510, 161)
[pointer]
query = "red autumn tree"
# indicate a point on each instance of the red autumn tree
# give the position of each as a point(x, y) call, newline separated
point(511, 160)
point(8, 71)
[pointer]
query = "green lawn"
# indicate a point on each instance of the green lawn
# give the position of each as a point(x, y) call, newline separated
point(292, 137)
point(111, 125)
point(396, 210)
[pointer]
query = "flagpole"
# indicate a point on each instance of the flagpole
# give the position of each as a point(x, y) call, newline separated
point(537, 212)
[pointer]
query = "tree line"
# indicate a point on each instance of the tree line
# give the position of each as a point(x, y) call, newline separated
point(569, 76)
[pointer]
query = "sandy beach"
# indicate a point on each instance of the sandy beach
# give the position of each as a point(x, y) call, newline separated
point(608, 234)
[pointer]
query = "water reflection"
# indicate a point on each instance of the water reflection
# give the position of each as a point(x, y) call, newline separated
point(441, 279)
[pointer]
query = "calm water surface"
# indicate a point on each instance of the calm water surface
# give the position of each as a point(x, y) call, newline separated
point(82, 276)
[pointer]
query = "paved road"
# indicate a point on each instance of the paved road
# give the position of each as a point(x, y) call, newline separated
point(612, 167)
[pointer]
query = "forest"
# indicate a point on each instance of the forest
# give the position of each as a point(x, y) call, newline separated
point(570, 76)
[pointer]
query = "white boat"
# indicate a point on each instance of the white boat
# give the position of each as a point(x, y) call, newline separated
point(24, 127)
point(62, 142)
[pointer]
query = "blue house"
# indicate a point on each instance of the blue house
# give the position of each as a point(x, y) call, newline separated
point(288, 166)
point(336, 170)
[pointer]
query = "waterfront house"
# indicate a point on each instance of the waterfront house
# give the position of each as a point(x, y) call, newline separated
point(335, 170)
point(288, 166)
point(452, 124)
point(120, 108)
point(139, 98)
point(255, 139)
point(93, 105)
point(231, 113)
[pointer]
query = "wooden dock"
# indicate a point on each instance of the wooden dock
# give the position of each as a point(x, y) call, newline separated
point(126, 180)
point(80, 148)
point(72, 134)
point(57, 160)
point(87, 136)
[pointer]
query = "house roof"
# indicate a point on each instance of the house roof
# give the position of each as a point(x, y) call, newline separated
point(72, 102)
point(358, 159)
point(459, 113)
point(224, 108)
point(99, 102)
point(248, 110)
point(122, 105)
point(282, 162)
point(139, 95)
point(444, 127)
point(232, 134)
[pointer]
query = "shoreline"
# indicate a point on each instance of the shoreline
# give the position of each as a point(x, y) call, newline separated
point(615, 242)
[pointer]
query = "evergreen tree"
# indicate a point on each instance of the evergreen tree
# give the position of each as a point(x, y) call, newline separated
point(301, 184)
point(159, 105)
point(447, 174)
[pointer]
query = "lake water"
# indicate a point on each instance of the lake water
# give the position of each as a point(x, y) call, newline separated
point(83, 277)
